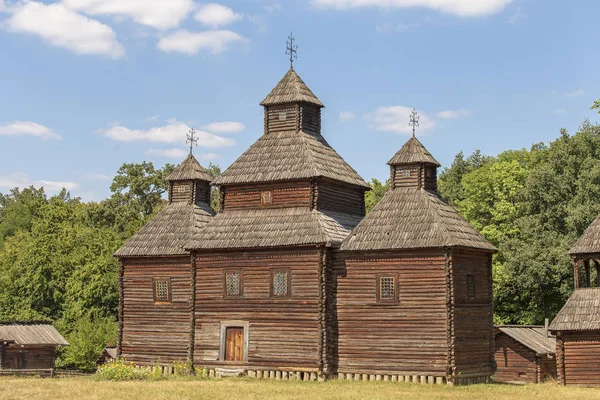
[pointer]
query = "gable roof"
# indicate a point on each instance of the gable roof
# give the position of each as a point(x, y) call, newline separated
point(412, 218)
point(580, 313)
point(534, 337)
point(189, 169)
point(32, 334)
point(413, 152)
point(168, 231)
point(289, 155)
point(241, 229)
point(589, 242)
point(291, 89)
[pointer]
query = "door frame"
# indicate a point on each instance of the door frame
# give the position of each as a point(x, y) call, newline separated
point(223, 339)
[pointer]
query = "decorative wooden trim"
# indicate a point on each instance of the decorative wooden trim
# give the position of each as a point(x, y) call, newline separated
point(451, 360)
point(157, 279)
point(192, 335)
point(241, 273)
point(288, 271)
point(120, 309)
point(396, 298)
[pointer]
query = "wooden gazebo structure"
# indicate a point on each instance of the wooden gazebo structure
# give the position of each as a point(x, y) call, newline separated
point(577, 325)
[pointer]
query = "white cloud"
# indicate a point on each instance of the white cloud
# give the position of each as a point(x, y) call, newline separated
point(452, 114)
point(462, 8)
point(159, 14)
point(216, 15)
point(517, 16)
point(395, 119)
point(21, 180)
point(96, 177)
point(62, 27)
point(26, 128)
point(575, 93)
point(346, 116)
point(225, 127)
point(174, 132)
point(190, 43)
point(559, 111)
point(273, 7)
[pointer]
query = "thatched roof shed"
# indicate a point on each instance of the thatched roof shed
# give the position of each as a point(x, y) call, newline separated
point(580, 313)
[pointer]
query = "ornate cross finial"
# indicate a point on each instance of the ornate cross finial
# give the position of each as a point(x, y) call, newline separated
point(192, 139)
point(291, 50)
point(414, 120)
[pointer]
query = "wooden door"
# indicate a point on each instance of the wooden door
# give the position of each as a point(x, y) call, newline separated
point(234, 344)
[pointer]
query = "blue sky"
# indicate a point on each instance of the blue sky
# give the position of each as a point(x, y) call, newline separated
point(87, 85)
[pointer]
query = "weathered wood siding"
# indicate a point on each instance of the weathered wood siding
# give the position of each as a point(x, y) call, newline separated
point(202, 192)
point(310, 119)
point(181, 191)
point(282, 332)
point(155, 332)
point(411, 179)
point(281, 118)
point(582, 358)
point(515, 362)
point(473, 332)
point(429, 177)
point(283, 194)
point(341, 198)
point(547, 367)
point(28, 357)
point(405, 338)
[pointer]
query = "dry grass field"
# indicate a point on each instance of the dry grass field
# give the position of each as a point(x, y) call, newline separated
point(227, 389)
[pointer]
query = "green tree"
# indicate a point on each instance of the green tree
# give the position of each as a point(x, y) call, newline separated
point(376, 193)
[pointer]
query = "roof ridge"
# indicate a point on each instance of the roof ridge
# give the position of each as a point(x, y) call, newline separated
point(309, 151)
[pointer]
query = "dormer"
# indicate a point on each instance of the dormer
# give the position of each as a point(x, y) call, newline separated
point(189, 182)
point(413, 167)
point(292, 106)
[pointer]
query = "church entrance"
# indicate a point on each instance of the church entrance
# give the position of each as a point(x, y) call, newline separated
point(234, 344)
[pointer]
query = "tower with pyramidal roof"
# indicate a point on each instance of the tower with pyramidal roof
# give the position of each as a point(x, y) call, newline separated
point(415, 285)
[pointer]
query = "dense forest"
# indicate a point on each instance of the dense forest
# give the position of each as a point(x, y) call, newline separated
point(56, 260)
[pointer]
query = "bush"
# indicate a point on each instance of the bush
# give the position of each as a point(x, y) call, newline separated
point(120, 370)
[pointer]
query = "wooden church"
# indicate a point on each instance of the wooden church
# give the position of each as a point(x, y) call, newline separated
point(291, 280)
point(577, 325)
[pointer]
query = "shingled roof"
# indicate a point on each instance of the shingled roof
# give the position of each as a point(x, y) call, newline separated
point(534, 337)
point(273, 227)
point(412, 218)
point(580, 313)
point(189, 169)
point(291, 89)
point(167, 233)
point(31, 334)
point(589, 242)
point(413, 152)
point(289, 155)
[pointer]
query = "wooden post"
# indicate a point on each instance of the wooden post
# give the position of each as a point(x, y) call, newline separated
point(192, 310)
point(120, 310)
point(492, 353)
point(576, 272)
point(450, 357)
point(560, 359)
point(597, 264)
point(323, 364)
point(586, 264)
point(1, 355)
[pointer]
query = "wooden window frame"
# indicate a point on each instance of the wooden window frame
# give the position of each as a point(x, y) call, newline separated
point(470, 299)
point(396, 298)
point(223, 339)
point(405, 173)
point(229, 271)
point(263, 203)
point(288, 271)
point(155, 280)
point(182, 188)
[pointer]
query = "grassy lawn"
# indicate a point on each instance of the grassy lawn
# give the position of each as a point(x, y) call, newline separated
point(238, 388)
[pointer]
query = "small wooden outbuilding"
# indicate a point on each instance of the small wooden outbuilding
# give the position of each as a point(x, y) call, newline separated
point(577, 325)
point(108, 354)
point(524, 353)
point(28, 346)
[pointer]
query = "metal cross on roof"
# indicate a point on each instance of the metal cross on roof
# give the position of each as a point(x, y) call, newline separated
point(414, 120)
point(192, 139)
point(291, 49)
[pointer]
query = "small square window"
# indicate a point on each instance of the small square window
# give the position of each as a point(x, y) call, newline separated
point(280, 283)
point(470, 287)
point(282, 116)
point(182, 188)
point(266, 198)
point(387, 288)
point(233, 283)
point(404, 173)
point(162, 290)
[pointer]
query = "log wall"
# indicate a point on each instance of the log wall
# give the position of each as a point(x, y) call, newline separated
point(202, 192)
point(155, 332)
point(406, 338)
point(282, 118)
point(341, 198)
point(28, 357)
point(283, 194)
point(473, 318)
point(181, 191)
point(515, 362)
point(283, 333)
point(310, 119)
point(582, 358)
